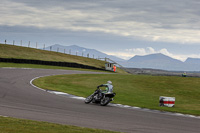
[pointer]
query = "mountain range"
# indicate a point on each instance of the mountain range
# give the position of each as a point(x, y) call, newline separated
point(161, 61)
point(81, 51)
point(153, 61)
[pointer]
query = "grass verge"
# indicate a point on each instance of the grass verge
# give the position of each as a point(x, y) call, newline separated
point(13, 125)
point(134, 90)
point(18, 52)
point(15, 65)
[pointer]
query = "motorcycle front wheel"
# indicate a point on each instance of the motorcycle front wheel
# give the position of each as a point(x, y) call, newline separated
point(105, 101)
point(88, 99)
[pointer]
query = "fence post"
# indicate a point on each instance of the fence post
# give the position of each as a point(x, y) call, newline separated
point(36, 45)
point(44, 47)
point(64, 51)
point(70, 51)
point(5, 41)
point(21, 42)
point(13, 42)
point(29, 44)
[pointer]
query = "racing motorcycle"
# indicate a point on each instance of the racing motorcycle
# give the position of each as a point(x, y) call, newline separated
point(98, 97)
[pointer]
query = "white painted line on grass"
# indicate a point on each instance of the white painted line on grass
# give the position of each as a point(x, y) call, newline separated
point(15, 68)
point(31, 82)
point(3, 116)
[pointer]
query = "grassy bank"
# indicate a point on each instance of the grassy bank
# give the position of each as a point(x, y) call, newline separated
point(13, 125)
point(135, 90)
point(18, 52)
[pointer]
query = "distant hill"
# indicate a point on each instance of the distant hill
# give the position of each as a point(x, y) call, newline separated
point(154, 58)
point(192, 61)
point(81, 51)
point(155, 61)
point(160, 61)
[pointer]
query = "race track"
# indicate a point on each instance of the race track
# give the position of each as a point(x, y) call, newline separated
point(21, 100)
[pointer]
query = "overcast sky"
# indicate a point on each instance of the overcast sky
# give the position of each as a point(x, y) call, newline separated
point(118, 27)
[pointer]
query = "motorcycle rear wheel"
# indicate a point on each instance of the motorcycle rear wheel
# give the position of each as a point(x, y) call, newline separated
point(105, 101)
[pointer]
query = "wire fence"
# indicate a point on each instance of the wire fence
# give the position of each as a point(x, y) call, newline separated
point(40, 46)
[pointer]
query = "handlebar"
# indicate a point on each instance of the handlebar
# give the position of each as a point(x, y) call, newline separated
point(97, 89)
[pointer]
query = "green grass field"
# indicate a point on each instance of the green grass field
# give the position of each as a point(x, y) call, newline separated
point(15, 65)
point(13, 125)
point(18, 52)
point(134, 90)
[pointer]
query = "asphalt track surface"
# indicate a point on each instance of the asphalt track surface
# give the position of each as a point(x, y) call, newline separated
point(21, 100)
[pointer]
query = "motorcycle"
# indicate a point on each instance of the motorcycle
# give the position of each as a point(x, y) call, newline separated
point(99, 97)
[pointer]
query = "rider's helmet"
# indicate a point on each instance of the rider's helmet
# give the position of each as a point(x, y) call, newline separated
point(109, 82)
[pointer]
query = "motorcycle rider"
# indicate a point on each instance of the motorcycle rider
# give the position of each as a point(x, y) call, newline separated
point(109, 88)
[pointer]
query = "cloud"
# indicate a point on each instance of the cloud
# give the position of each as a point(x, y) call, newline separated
point(144, 51)
point(154, 20)
point(139, 51)
point(150, 50)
